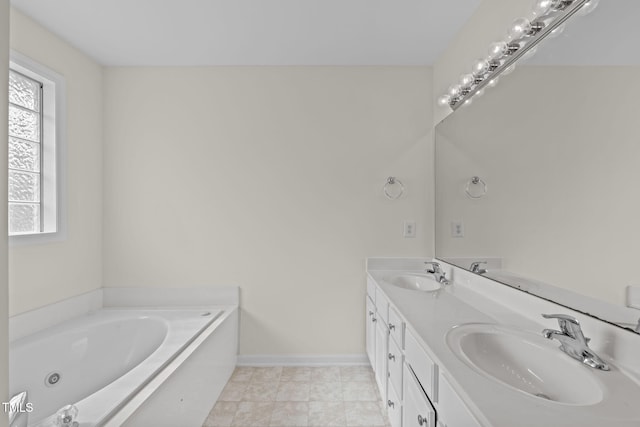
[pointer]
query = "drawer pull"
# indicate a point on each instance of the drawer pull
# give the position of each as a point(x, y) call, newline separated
point(421, 420)
point(373, 319)
point(390, 403)
point(392, 357)
point(370, 313)
point(391, 326)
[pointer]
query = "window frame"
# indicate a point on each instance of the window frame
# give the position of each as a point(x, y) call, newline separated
point(53, 151)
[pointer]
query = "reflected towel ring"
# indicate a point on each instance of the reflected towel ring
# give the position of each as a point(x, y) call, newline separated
point(476, 188)
point(393, 188)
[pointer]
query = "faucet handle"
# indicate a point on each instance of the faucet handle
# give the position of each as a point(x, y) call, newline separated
point(475, 267)
point(569, 325)
point(435, 267)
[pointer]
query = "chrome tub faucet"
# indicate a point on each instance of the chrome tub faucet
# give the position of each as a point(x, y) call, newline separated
point(475, 267)
point(435, 269)
point(573, 341)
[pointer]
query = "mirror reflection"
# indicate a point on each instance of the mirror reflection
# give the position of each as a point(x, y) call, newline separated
point(538, 183)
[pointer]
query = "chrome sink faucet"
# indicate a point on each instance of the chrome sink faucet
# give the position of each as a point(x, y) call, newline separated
point(475, 267)
point(573, 342)
point(435, 269)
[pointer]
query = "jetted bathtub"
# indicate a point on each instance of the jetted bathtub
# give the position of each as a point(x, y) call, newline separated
point(98, 361)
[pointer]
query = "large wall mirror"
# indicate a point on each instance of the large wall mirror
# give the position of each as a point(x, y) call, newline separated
point(557, 144)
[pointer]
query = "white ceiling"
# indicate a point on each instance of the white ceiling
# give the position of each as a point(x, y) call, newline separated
point(254, 32)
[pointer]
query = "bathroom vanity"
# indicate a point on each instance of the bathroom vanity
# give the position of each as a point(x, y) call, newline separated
point(471, 354)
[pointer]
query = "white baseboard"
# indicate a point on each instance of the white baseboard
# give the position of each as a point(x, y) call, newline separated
point(302, 359)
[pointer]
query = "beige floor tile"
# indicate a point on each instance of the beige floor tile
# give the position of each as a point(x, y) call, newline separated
point(269, 374)
point(296, 373)
point(327, 414)
point(221, 415)
point(242, 374)
point(325, 374)
point(325, 391)
point(359, 391)
point(253, 414)
point(293, 391)
point(360, 414)
point(356, 373)
point(233, 392)
point(260, 392)
point(290, 414)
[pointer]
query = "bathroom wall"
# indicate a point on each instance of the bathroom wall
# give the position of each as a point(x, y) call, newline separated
point(489, 23)
point(45, 273)
point(564, 192)
point(269, 178)
point(4, 287)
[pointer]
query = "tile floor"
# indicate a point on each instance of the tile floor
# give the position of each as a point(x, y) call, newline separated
point(344, 396)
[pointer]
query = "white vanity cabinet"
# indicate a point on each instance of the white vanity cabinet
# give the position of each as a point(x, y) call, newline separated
point(417, 410)
point(451, 409)
point(409, 380)
point(370, 327)
point(381, 356)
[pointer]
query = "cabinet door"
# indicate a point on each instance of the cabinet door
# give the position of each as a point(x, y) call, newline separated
point(394, 366)
point(394, 407)
point(370, 331)
point(382, 348)
point(452, 411)
point(416, 410)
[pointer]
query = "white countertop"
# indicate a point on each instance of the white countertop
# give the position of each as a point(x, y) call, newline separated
point(430, 315)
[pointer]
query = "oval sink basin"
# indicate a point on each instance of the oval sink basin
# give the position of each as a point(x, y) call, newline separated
point(416, 282)
point(525, 362)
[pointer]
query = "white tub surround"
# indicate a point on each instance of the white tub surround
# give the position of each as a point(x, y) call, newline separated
point(430, 316)
point(128, 365)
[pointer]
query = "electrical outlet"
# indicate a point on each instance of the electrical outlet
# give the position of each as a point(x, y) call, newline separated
point(457, 228)
point(409, 229)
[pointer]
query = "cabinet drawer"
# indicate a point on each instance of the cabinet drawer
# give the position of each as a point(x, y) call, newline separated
point(396, 327)
point(422, 365)
point(371, 289)
point(394, 408)
point(394, 366)
point(382, 305)
point(417, 411)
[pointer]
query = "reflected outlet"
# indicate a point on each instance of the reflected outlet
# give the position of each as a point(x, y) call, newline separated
point(457, 229)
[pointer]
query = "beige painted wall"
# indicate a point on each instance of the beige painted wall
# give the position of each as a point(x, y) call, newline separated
point(489, 23)
point(269, 178)
point(72, 266)
point(561, 165)
point(4, 287)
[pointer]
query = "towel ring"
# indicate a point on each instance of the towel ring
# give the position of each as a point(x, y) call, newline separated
point(393, 188)
point(476, 188)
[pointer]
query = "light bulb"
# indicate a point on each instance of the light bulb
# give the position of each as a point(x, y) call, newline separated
point(497, 50)
point(467, 102)
point(508, 70)
point(520, 28)
point(493, 82)
point(479, 93)
point(454, 91)
point(543, 7)
point(588, 7)
point(466, 81)
point(444, 100)
point(557, 31)
point(480, 68)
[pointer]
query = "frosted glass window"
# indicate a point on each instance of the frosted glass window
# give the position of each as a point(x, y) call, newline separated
point(25, 154)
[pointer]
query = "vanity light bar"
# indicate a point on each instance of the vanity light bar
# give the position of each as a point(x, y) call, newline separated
point(522, 39)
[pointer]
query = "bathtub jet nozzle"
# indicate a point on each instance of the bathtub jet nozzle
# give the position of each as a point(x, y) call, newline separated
point(66, 415)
